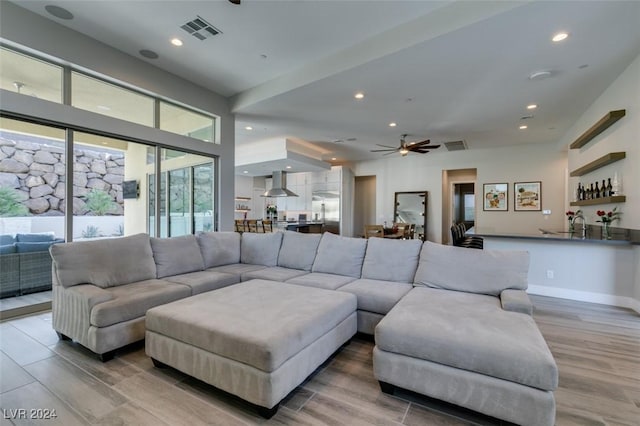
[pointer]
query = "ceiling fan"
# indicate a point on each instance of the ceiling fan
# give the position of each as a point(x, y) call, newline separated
point(407, 147)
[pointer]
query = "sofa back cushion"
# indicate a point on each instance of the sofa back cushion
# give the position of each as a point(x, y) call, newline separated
point(105, 263)
point(298, 250)
point(391, 260)
point(35, 238)
point(6, 239)
point(260, 249)
point(8, 249)
point(219, 248)
point(473, 271)
point(340, 255)
point(176, 255)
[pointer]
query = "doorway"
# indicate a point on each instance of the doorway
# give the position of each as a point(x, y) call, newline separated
point(464, 209)
point(364, 209)
point(458, 200)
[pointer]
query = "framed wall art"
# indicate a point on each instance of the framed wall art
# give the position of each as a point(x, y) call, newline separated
point(495, 197)
point(527, 196)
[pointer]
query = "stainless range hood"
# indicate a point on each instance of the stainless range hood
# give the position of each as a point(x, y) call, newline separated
point(279, 186)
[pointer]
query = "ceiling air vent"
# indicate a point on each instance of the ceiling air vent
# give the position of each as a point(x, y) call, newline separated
point(200, 29)
point(455, 145)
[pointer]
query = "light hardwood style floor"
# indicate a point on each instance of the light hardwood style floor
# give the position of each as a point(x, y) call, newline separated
point(596, 347)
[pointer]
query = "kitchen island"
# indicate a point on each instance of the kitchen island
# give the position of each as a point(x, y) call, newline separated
point(309, 227)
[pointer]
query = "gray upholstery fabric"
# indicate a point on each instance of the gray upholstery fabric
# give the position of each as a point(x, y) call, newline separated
point(340, 255)
point(298, 250)
point(376, 296)
point(219, 248)
point(391, 260)
point(131, 301)
point(104, 263)
point(474, 271)
point(256, 386)
point(105, 339)
point(321, 280)
point(260, 249)
point(367, 321)
point(176, 255)
point(259, 323)
point(202, 281)
point(516, 301)
point(471, 332)
point(485, 394)
point(237, 269)
point(275, 273)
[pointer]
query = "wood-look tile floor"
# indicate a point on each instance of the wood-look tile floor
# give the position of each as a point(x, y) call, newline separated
point(596, 347)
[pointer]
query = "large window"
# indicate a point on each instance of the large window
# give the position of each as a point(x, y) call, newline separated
point(29, 76)
point(184, 122)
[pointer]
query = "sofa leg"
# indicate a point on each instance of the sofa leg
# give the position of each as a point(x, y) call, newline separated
point(62, 336)
point(267, 413)
point(107, 356)
point(159, 364)
point(387, 388)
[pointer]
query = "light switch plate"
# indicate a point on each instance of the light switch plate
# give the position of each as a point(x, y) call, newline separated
point(546, 211)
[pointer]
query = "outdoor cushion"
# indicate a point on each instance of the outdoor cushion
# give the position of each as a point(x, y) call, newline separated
point(6, 239)
point(391, 260)
point(176, 255)
point(106, 262)
point(202, 281)
point(321, 280)
point(32, 247)
point(377, 296)
point(471, 332)
point(35, 238)
point(132, 301)
point(219, 248)
point(260, 249)
point(340, 255)
point(275, 273)
point(298, 250)
point(475, 271)
point(7, 249)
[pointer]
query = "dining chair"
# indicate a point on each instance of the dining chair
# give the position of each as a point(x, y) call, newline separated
point(267, 225)
point(412, 231)
point(402, 229)
point(240, 225)
point(373, 231)
point(252, 225)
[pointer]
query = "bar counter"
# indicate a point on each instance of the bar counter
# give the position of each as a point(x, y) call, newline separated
point(619, 236)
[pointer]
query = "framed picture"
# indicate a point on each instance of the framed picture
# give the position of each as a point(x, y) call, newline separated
point(527, 196)
point(495, 196)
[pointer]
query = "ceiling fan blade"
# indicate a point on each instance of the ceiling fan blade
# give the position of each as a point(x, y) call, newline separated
point(387, 146)
point(388, 153)
point(384, 150)
point(235, 1)
point(428, 141)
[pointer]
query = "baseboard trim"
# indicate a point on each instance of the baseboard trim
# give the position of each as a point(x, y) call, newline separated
point(585, 296)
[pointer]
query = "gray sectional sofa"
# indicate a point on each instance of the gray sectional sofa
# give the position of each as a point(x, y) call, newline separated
point(450, 323)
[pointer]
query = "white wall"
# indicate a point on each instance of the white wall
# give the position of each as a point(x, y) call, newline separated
point(505, 164)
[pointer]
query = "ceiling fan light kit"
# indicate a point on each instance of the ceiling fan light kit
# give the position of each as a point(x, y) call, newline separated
point(405, 148)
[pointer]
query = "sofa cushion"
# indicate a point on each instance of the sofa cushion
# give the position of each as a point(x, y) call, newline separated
point(275, 273)
point(237, 269)
point(260, 249)
point(219, 248)
point(340, 255)
point(176, 255)
point(202, 281)
point(375, 295)
point(35, 238)
point(7, 248)
point(298, 250)
point(132, 301)
point(33, 247)
point(321, 280)
point(6, 239)
point(391, 260)
point(475, 271)
point(471, 332)
point(106, 262)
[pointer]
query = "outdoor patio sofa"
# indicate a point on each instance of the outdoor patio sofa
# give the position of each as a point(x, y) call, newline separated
point(449, 322)
point(25, 263)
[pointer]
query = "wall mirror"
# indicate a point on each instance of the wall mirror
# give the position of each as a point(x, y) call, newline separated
point(411, 207)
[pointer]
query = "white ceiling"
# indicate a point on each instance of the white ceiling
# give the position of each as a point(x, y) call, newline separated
point(441, 70)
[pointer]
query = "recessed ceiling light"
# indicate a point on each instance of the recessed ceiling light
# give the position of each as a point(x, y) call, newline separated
point(523, 127)
point(248, 128)
point(559, 36)
point(58, 12)
point(333, 158)
point(176, 42)
point(288, 167)
point(246, 171)
point(392, 124)
point(539, 75)
point(149, 54)
point(359, 95)
point(532, 106)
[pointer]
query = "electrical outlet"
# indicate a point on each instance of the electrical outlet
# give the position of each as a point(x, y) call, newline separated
point(550, 274)
point(546, 212)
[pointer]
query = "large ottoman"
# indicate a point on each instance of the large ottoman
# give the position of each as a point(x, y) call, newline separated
point(258, 340)
point(463, 348)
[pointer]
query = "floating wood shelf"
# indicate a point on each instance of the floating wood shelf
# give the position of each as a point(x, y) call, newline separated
point(243, 210)
point(599, 127)
point(243, 198)
point(596, 201)
point(612, 157)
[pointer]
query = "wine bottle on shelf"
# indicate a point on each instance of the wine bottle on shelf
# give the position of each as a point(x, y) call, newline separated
point(603, 189)
point(592, 192)
point(579, 192)
point(597, 193)
point(616, 186)
point(609, 188)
